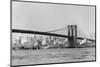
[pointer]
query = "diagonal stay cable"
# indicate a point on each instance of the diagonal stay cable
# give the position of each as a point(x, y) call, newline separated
point(57, 29)
point(81, 33)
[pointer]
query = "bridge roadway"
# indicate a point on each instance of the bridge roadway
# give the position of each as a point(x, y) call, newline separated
point(44, 33)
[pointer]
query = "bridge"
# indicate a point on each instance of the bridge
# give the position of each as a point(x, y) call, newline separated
point(72, 32)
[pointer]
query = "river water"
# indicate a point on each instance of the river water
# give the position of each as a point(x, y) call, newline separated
point(58, 55)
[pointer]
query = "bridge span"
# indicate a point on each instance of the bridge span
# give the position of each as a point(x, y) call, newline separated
point(45, 33)
point(72, 34)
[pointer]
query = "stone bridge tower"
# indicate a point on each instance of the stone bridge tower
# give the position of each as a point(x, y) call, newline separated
point(72, 33)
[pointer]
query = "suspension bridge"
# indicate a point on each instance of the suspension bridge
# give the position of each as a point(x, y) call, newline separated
point(72, 32)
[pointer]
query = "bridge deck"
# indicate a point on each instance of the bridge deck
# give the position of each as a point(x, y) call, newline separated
point(44, 33)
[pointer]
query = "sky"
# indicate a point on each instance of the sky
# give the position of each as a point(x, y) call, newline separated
point(47, 17)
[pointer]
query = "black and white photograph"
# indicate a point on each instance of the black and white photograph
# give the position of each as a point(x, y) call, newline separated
point(52, 33)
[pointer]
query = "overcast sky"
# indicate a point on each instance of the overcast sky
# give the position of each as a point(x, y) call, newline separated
point(46, 17)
